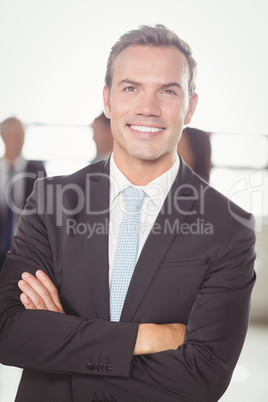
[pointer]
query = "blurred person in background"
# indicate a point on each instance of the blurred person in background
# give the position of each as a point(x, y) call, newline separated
point(17, 177)
point(102, 135)
point(195, 149)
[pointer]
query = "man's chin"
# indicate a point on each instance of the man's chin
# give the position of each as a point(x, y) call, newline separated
point(146, 156)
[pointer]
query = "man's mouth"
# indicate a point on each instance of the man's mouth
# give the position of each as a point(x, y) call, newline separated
point(145, 129)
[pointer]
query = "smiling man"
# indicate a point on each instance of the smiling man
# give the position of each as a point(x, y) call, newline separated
point(150, 306)
point(148, 104)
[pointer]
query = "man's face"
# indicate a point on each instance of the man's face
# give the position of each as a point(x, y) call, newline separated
point(148, 103)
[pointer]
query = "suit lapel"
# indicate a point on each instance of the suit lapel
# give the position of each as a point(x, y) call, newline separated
point(96, 246)
point(177, 205)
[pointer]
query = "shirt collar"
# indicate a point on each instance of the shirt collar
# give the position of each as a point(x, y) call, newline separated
point(157, 190)
point(118, 180)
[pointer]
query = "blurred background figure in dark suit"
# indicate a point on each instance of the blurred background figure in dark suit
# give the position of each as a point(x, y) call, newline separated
point(17, 177)
point(195, 148)
point(102, 135)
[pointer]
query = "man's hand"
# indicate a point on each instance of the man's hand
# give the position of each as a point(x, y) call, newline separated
point(39, 293)
point(154, 338)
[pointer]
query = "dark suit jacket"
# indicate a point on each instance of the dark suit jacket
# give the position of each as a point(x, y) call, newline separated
point(33, 170)
point(196, 268)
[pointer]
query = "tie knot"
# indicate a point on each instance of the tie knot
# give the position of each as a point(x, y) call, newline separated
point(134, 198)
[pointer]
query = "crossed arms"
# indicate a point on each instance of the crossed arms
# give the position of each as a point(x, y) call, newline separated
point(193, 363)
point(39, 293)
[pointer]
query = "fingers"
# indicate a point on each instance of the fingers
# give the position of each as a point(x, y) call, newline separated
point(27, 302)
point(32, 296)
point(51, 288)
point(39, 293)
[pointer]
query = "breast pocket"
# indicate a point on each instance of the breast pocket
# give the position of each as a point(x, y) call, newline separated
point(192, 262)
point(174, 290)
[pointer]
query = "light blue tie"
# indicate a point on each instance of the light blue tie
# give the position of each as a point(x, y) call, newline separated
point(126, 250)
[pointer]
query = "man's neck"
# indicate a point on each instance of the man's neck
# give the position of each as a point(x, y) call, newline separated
point(141, 172)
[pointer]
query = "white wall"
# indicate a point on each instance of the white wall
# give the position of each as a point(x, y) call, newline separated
point(53, 57)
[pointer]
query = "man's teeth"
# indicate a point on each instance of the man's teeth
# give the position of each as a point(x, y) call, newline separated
point(146, 129)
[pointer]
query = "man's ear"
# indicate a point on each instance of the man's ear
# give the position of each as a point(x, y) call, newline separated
point(191, 108)
point(106, 101)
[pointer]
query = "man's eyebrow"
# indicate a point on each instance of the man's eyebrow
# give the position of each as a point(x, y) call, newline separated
point(171, 84)
point(163, 86)
point(129, 82)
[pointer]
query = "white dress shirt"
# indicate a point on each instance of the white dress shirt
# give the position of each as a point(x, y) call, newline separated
point(157, 190)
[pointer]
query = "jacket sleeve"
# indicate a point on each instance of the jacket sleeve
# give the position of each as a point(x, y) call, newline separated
point(48, 341)
point(201, 369)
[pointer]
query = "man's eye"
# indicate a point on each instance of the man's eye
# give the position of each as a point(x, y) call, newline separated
point(130, 89)
point(169, 92)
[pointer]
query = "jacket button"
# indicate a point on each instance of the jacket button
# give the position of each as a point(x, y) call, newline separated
point(91, 366)
point(99, 367)
point(107, 368)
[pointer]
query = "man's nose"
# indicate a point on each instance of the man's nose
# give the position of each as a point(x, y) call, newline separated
point(148, 105)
